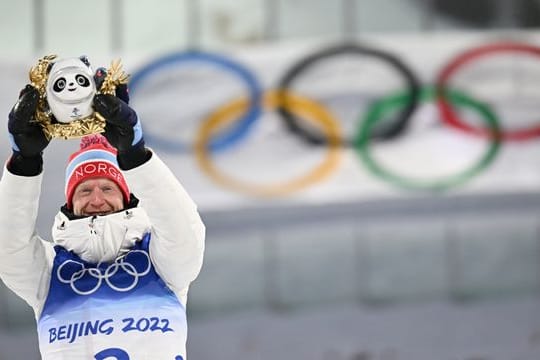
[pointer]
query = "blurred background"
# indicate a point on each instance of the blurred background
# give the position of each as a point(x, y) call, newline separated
point(359, 215)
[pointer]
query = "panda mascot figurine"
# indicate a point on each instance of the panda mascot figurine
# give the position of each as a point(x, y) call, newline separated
point(70, 89)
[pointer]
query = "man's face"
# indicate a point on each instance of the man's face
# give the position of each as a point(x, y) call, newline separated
point(97, 196)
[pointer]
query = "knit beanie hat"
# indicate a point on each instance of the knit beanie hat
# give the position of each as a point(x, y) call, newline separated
point(95, 158)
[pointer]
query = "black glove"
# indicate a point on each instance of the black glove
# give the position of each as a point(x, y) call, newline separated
point(122, 130)
point(26, 135)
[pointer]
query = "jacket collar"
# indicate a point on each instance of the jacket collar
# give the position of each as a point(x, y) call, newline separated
point(99, 239)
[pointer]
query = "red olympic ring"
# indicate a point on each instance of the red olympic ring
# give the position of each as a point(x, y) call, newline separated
point(446, 109)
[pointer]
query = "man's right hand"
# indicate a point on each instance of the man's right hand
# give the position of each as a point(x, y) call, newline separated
point(26, 135)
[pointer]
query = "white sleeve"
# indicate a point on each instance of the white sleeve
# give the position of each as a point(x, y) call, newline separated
point(178, 233)
point(25, 258)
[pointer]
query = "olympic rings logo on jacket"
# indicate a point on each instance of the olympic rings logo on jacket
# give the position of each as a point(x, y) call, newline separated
point(122, 275)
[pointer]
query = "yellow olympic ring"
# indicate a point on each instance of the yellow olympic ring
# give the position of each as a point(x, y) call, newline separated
point(300, 106)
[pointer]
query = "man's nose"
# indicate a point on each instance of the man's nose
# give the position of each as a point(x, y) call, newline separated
point(97, 198)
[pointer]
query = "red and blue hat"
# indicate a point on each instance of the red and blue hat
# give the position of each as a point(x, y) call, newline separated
point(95, 158)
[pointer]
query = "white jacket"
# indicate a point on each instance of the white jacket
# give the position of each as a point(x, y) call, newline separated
point(176, 248)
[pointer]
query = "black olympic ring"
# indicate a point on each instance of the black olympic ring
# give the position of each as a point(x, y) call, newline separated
point(396, 126)
point(101, 276)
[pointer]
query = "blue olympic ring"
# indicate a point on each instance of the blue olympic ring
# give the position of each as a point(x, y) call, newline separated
point(225, 138)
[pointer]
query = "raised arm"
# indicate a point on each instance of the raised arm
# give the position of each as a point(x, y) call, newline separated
point(177, 245)
point(25, 259)
point(178, 233)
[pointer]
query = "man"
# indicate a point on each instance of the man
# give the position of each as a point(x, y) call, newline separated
point(114, 282)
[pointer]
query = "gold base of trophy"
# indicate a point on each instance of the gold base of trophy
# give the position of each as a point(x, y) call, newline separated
point(93, 124)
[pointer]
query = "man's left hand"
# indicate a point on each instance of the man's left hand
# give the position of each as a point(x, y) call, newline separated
point(122, 128)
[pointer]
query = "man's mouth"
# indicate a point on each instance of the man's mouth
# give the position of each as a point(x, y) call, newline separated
point(102, 213)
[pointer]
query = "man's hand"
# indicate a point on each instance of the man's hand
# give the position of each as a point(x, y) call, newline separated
point(26, 135)
point(122, 127)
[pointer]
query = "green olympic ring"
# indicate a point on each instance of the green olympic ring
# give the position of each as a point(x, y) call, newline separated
point(384, 106)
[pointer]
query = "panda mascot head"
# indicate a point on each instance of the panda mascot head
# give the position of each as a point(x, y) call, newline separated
point(70, 89)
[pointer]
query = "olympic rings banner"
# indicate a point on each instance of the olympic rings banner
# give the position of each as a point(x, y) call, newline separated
point(312, 123)
point(346, 121)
